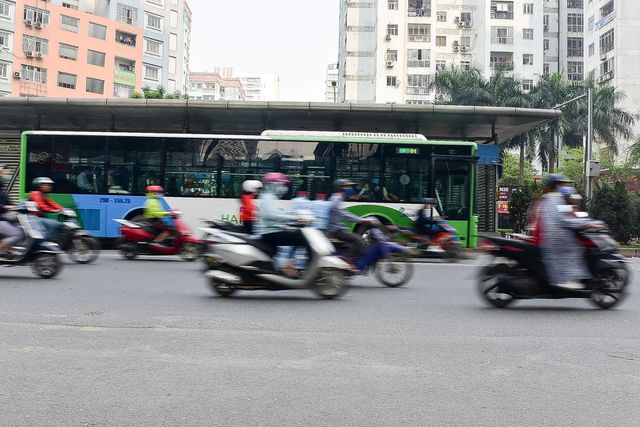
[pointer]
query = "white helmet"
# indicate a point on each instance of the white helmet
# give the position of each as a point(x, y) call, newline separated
point(251, 186)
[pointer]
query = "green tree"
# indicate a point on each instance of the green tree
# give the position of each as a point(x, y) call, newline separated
point(158, 93)
point(521, 201)
point(612, 203)
point(572, 165)
point(511, 171)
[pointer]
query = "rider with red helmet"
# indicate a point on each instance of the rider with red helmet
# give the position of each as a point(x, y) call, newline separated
point(155, 214)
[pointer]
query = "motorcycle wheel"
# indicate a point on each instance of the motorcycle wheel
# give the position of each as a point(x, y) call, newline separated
point(612, 289)
point(47, 266)
point(454, 252)
point(330, 284)
point(128, 251)
point(83, 249)
point(190, 251)
point(394, 272)
point(222, 289)
point(489, 286)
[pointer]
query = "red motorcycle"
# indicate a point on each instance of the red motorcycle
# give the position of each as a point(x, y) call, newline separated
point(136, 238)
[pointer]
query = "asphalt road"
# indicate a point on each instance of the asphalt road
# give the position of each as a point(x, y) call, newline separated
point(145, 343)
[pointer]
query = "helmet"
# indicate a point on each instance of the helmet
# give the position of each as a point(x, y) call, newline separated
point(555, 178)
point(340, 183)
point(154, 189)
point(41, 180)
point(251, 186)
point(567, 191)
point(275, 177)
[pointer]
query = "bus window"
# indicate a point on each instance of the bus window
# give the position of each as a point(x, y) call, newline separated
point(406, 179)
point(134, 163)
point(452, 188)
point(307, 164)
point(242, 161)
point(191, 168)
point(360, 163)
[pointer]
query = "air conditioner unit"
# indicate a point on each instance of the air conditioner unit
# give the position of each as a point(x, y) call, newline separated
point(546, 27)
point(39, 55)
point(30, 54)
point(467, 24)
point(28, 22)
point(603, 57)
point(456, 48)
point(464, 48)
point(389, 64)
point(17, 75)
point(39, 25)
point(456, 19)
point(388, 37)
point(461, 24)
point(456, 42)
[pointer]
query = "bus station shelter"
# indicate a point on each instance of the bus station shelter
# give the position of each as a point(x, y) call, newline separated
point(487, 126)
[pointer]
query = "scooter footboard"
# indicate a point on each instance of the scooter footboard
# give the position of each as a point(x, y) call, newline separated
point(333, 262)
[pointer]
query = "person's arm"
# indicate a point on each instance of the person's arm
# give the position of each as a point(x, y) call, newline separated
point(42, 202)
point(153, 209)
point(271, 213)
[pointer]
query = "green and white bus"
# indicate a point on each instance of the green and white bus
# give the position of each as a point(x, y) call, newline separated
point(103, 174)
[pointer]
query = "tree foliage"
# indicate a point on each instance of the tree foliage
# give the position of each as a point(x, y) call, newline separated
point(614, 204)
point(511, 170)
point(521, 201)
point(158, 93)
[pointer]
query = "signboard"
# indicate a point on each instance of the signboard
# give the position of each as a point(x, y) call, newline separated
point(407, 150)
point(126, 78)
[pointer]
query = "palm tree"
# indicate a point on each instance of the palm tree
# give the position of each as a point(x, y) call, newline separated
point(458, 86)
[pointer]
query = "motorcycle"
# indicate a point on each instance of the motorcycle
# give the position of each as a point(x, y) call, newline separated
point(238, 261)
point(388, 260)
point(35, 250)
point(517, 272)
point(444, 243)
point(136, 236)
point(81, 247)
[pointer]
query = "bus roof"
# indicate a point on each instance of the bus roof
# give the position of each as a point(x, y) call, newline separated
point(278, 135)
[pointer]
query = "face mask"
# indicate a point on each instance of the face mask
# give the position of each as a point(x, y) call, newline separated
point(349, 192)
point(280, 190)
point(4, 179)
point(375, 181)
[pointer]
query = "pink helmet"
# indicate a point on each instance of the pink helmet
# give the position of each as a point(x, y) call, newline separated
point(275, 177)
point(154, 189)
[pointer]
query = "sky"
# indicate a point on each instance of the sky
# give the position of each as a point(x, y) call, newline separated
point(295, 39)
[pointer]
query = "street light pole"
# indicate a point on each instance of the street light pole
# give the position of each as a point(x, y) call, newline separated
point(334, 84)
point(589, 147)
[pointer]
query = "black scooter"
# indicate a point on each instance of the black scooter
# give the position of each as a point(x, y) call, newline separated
point(81, 247)
point(517, 272)
point(43, 256)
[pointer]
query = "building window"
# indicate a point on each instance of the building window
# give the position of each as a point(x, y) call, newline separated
point(592, 49)
point(441, 16)
point(419, 32)
point(575, 22)
point(126, 38)
point(465, 65)
point(4, 39)
point(527, 8)
point(391, 55)
point(591, 23)
point(441, 41)
point(95, 58)
point(501, 10)
point(527, 33)
point(68, 51)
point(575, 4)
point(34, 44)
point(606, 42)
point(545, 44)
point(5, 9)
point(606, 69)
point(441, 65)
point(123, 64)
point(71, 4)
point(392, 81)
point(35, 15)
point(69, 24)
point(173, 41)
point(527, 84)
point(126, 14)
point(151, 72)
point(156, 2)
point(392, 30)
point(466, 18)
point(95, 85)
point(545, 69)
point(527, 59)
point(419, 58)
point(575, 47)
point(97, 31)
point(392, 4)
point(67, 80)
point(122, 91)
point(606, 10)
point(152, 47)
point(502, 35)
point(4, 70)
point(154, 21)
point(34, 74)
point(575, 71)
point(545, 22)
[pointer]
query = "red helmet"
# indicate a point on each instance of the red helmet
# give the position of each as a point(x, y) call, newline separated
point(154, 189)
point(276, 177)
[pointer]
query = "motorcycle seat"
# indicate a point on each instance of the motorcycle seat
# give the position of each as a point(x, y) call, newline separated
point(259, 244)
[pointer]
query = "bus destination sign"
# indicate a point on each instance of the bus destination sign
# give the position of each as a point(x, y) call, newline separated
point(407, 150)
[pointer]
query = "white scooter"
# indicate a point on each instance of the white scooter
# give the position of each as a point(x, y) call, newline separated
point(237, 261)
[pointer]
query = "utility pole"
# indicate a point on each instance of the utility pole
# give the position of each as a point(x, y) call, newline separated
point(588, 189)
point(334, 84)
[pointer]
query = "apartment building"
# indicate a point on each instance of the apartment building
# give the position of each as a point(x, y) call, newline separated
point(92, 48)
point(256, 86)
point(564, 32)
point(211, 86)
point(331, 84)
point(390, 50)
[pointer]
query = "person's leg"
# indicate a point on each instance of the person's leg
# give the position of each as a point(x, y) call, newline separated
point(248, 226)
point(356, 245)
point(10, 235)
point(52, 228)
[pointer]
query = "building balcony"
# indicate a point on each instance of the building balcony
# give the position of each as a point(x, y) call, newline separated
point(417, 91)
point(501, 40)
point(422, 12)
point(126, 78)
point(504, 65)
point(501, 15)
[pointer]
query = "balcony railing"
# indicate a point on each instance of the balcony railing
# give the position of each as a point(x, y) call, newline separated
point(501, 15)
point(423, 11)
point(502, 40)
point(421, 63)
point(417, 91)
point(507, 65)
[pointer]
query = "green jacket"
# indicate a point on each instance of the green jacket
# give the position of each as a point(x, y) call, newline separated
point(153, 208)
